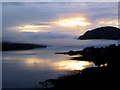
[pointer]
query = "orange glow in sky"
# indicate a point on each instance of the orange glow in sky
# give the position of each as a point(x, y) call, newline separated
point(32, 28)
point(73, 22)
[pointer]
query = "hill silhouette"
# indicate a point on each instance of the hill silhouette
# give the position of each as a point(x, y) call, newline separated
point(9, 46)
point(108, 32)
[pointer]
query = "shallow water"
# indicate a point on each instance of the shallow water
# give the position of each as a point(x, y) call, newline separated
point(24, 69)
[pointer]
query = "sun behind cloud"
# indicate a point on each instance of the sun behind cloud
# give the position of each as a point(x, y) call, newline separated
point(72, 22)
point(33, 28)
point(30, 28)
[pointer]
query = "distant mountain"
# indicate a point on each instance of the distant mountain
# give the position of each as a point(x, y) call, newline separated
point(112, 33)
point(8, 46)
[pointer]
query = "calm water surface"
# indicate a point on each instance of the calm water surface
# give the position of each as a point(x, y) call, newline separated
point(24, 69)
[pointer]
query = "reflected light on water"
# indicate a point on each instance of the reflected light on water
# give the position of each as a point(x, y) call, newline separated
point(33, 61)
point(60, 65)
point(76, 56)
point(73, 65)
point(55, 65)
point(102, 65)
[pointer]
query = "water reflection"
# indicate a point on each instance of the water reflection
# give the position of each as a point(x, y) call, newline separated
point(58, 65)
point(33, 61)
point(36, 65)
point(76, 56)
point(54, 65)
point(23, 69)
point(73, 65)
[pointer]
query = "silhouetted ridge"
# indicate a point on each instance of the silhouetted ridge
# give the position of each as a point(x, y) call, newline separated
point(8, 46)
point(102, 33)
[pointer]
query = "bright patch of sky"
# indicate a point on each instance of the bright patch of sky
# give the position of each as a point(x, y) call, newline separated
point(36, 20)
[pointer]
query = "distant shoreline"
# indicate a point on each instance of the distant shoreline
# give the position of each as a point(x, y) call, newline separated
point(8, 46)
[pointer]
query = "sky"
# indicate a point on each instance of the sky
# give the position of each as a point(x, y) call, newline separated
point(61, 0)
point(32, 21)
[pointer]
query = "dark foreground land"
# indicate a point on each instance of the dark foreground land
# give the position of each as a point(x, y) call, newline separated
point(104, 76)
point(7, 46)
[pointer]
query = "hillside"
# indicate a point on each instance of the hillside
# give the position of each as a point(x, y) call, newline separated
point(112, 33)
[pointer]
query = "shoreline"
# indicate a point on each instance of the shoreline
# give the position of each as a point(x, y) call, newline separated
point(100, 76)
point(7, 46)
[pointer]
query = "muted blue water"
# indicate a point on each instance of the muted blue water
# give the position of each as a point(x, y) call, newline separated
point(24, 69)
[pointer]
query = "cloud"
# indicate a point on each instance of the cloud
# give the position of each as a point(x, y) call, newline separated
point(72, 22)
point(35, 19)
